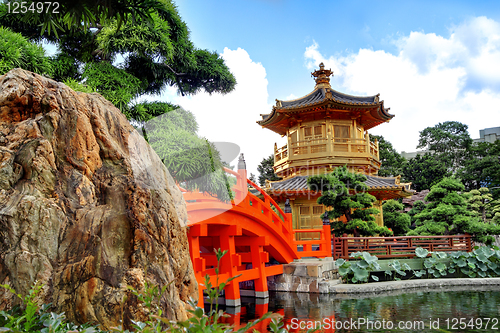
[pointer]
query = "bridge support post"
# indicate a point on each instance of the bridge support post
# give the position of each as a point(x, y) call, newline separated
point(230, 262)
point(259, 259)
point(194, 252)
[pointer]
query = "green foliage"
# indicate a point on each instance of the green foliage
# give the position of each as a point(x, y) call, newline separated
point(392, 161)
point(266, 171)
point(447, 214)
point(191, 160)
point(150, 37)
point(114, 84)
point(29, 317)
point(16, 51)
point(354, 271)
point(423, 171)
point(76, 14)
point(77, 86)
point(160, 53)
point(480, 263)
point(481, 203)
point(481, 167)
point(65, 68)
point(418, 206)
point(345, 193)
point(399, 270)
point(448, 141)
point(396, 220)
point(146, 111)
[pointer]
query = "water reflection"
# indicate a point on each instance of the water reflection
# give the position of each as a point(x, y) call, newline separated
point(456, 309)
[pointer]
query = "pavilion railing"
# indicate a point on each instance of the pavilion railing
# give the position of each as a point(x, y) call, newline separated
point(399, 247)
point(297, 150)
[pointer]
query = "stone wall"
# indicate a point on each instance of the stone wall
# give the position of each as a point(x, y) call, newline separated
point(308, 276)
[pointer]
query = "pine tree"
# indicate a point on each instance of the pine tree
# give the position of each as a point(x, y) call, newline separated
point(480, 201)
point(447, 214)
point(266, 171)
point(394, 219)
point(344, 195)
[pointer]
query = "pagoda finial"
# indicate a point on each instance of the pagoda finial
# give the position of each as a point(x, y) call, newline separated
point(322, 75)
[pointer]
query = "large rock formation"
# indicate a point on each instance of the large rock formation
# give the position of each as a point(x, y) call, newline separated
point(86, 207)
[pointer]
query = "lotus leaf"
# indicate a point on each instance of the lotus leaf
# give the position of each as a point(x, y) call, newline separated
point(472, 260)
point(421, 252)
point(362, 263)
point(440, 255)
point(344, 270)
point(369, 258)
point(360, 274)
point(482, 266)
point(440, 267)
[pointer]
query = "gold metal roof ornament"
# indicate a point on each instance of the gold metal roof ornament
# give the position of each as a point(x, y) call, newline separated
point(322, 75)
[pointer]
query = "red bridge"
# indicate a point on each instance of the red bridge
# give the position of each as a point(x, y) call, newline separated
point(256, 233)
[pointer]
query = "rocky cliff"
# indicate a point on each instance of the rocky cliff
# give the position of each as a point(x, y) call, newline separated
point(86, 207)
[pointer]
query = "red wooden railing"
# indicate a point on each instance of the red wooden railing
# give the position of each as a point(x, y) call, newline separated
point(397, 247)
point(319, 248)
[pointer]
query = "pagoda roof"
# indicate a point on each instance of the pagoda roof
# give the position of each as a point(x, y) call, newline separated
point(369, 109)
point(321, 94)
point(299, 183)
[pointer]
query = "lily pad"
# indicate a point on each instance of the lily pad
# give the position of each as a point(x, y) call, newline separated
point(421, 252)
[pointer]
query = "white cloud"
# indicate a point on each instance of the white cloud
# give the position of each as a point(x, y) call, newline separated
point(232, 117)
point(432, 79)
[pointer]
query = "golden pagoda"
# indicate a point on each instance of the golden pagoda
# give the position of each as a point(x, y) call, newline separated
point(326, 129)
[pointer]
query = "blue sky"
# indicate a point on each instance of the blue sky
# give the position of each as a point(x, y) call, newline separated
point(277, 32)
point(430, 61)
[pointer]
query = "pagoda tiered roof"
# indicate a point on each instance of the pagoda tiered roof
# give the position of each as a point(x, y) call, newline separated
point(386, 187)
point(324, 101)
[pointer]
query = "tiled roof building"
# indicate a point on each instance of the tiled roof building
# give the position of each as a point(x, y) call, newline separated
point(326, 129)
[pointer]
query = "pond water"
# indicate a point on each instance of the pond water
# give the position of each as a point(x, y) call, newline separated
point(457, 309)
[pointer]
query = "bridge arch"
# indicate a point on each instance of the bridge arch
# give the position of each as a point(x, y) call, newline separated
point(257, 235)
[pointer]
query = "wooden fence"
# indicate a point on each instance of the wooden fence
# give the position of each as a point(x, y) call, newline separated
point(401, 246)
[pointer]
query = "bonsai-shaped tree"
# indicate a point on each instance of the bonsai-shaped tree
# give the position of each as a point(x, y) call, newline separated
point(344, 194)
point(418, 206)
point(447, 214)
point(394, 219)
point(481, 202)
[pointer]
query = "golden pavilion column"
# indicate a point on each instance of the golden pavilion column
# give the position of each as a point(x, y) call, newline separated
point(367, 139)
point(329, 135)
point(379, 218)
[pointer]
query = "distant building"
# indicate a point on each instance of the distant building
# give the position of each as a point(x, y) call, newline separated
point(414, 154)
point(488, 135)
point(485, 135)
